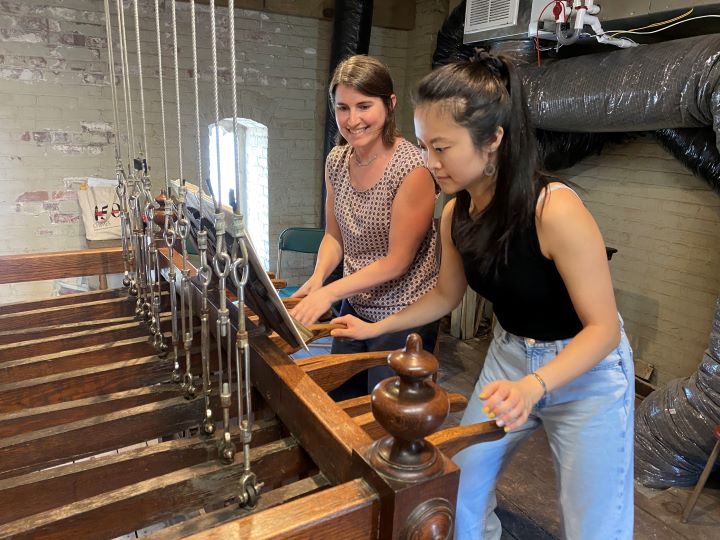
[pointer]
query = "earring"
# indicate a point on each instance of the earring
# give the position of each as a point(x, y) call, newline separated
point(489, 170)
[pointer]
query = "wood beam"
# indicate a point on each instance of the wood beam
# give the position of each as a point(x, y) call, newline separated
point(27, 420)
point(61, 264)
point(331, 370)
point(78, 339)
point(349, 511)
point(37, 492)
point(269, 499)
point(60, 444)
point(64, 300)
point(132, 507)
point(84, 383)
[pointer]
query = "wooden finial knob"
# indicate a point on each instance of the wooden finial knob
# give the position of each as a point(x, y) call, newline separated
point(159, 214)
point(409, 407)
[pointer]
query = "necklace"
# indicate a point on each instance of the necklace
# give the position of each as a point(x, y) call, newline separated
point(364, 163)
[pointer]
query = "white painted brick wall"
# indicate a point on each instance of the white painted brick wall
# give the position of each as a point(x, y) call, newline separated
point(665, 223)
point(54, 84)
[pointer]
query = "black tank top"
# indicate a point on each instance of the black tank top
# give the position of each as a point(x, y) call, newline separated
point(528, 295)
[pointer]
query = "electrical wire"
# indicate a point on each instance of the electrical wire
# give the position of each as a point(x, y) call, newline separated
point(537, 30)
point(663, 28)
point(659, 23)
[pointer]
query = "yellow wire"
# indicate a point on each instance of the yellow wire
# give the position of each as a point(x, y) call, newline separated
point(653, 25)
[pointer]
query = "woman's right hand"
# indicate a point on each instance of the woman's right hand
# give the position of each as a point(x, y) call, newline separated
point(311, 285)
point(354, 328)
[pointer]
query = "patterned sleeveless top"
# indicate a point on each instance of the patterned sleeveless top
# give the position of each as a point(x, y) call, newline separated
point(364, 220)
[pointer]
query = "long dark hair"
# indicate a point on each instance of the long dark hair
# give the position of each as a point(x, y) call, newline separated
point(483, 94)
point(372, 78)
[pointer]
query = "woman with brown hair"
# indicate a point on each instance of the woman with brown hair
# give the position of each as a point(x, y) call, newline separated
point(379, 218)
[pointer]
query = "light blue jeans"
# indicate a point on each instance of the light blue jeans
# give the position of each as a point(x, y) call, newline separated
point(589, 424)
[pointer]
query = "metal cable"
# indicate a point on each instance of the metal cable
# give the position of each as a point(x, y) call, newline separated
point(144, 150)
point(217, 199)
point(162, 99)
point(126, 83)
point(204, 271)
point(196, 76)
point(177, 92)
point(111, 65)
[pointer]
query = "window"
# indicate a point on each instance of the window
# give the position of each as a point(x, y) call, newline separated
point(252, 144)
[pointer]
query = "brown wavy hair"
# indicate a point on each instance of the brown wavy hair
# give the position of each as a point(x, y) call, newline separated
point(372, 78)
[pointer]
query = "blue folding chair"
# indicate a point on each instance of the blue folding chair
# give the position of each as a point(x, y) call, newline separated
point(299, 240)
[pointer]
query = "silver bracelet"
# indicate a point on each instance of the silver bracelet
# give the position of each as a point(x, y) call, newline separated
point(542, 383)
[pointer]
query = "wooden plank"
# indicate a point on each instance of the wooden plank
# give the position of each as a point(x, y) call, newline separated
point(37, 492)
point(60, 264)
point(74, 359)
point(325, 431)
point(349, 511)
point(100, 309)
point(27, 420)
point(40, 332)
point(356, 406)
point(79, 339)
point(59, 444)
point(63, 300)
point(452, 440)
point(643, 389)
point(132, 507)
point(318, 330)
point(331, 370)
point(84, 383)
point(666, 506)
point(269, 499)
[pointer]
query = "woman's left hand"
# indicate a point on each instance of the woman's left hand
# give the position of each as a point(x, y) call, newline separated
point(509, 403)
point(312, 306)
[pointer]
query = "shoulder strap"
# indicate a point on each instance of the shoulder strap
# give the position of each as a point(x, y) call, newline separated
point(553, 187)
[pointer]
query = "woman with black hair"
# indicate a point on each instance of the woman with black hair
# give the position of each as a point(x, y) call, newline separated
point(559, 356)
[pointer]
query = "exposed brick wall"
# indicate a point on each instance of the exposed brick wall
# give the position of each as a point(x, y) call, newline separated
point(56, 109)
point(665, 223)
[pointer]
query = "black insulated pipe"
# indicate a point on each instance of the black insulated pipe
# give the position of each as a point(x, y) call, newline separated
point(580, 104)
point(351, 35)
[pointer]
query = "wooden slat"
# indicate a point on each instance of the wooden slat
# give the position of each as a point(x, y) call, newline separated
point(319, 330)
point(453, 440)
point(37, 492)
point(131, 507)
point(40, 332)
point(59, 444)
point(643, 389)
point(27, 420)
point(349, 511)
point(356, 406)
point(331, 370)
point(84, 383)
point(78, 339)
point(100, 309)
point(63, 300)
point(74, 359)
point(268, 499)
point(62, 264)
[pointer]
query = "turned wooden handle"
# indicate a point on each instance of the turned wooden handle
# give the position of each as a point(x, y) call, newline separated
point(453, 440)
